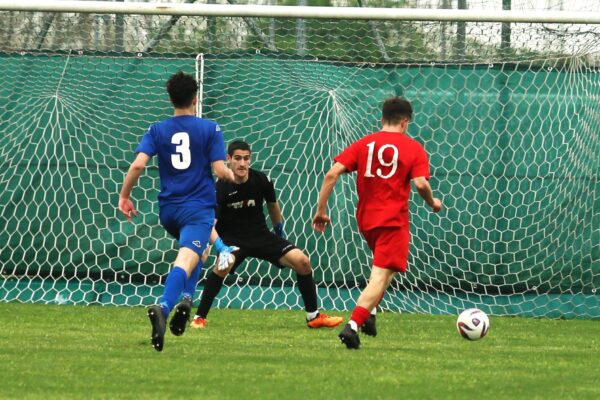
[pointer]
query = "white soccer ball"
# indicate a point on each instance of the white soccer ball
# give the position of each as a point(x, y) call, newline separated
point(473, 324)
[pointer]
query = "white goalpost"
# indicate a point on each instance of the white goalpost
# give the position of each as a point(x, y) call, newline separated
point(507, 105)
point(307, 12)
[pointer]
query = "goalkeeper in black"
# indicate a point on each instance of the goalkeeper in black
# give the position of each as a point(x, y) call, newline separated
point(241, 224)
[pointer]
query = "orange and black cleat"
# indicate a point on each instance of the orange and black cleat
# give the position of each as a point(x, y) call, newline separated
point(324, 321)
point(198, 323)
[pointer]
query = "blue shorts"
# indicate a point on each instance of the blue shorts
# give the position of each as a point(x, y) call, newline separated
point(190, 225)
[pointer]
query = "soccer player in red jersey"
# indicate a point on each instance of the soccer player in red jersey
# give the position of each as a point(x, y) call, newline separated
point(385, 162)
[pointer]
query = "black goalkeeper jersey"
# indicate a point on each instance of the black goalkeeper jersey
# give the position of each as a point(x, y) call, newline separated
point(240, 207)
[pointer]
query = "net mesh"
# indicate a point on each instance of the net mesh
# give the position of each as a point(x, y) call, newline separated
point(508, 114)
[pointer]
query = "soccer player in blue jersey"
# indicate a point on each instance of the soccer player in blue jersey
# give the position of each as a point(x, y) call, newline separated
point(187, 148)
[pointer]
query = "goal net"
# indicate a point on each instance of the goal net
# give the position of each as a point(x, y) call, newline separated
point(508, 113)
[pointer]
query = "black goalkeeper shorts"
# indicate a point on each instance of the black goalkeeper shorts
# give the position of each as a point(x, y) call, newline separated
point(267, 246)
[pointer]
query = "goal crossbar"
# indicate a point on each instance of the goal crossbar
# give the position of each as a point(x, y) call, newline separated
point(306, 12)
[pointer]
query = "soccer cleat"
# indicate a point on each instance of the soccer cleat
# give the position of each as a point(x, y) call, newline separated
point(349, 337)
point(198, 323)
point(369, 327)
point(181, 316)
point(157, 320)
point(324, 321)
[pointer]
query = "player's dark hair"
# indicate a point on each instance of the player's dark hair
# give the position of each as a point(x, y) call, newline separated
point(237, 145)
point(396, 108)
point(182, 88)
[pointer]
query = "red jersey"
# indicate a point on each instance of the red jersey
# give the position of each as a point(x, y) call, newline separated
point(385, 163)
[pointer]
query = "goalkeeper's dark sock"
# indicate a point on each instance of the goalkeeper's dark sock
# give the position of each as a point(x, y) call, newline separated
point(190, 284)
point(212, 286)
point(308, 291)
point(359, 316)
point(173, 287)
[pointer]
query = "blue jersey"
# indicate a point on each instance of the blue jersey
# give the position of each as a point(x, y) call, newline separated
point(185, 146)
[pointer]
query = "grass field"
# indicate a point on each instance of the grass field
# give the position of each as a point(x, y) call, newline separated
point(77, 352)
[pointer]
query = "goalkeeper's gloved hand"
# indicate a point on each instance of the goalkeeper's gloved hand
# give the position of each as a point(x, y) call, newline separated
point(225, 256)
point(278, 229)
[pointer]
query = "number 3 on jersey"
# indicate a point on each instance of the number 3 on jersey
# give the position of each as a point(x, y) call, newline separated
point(182, 157)
point(392, 163)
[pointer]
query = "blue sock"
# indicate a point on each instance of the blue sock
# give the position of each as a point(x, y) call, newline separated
point(173, 287)
point(190, 285)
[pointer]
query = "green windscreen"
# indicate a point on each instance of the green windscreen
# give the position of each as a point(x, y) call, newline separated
point(513, 150)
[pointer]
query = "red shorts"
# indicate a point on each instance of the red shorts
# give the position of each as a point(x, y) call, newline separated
point(389, 246)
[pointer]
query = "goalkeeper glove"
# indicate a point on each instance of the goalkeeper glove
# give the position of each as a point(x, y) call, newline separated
point(278, 229)
point(225, 256)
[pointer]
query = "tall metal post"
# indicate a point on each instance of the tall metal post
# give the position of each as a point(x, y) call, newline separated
point(211, 27)
point(301, 33)
point(506, 31)
point(119, 31)
point(445, 5)
point(461, 34)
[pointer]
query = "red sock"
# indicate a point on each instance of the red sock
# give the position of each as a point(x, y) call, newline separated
point(360, 315)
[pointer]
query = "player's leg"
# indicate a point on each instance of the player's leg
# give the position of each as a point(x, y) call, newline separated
point(370, 326)
point(190, 285)
point(390, 253)
point(185, 306)
point(371, 296)
point(155, 313)
point(195, 237)
point(378, 282)
point(184, 263)
point(176, 279)
point(300, 263)
point(212, 287)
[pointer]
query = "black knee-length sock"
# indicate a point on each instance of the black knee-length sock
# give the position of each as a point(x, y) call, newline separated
point(308, 291)
point(212, 286)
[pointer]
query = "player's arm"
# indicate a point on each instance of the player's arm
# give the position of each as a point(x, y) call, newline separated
point(424, 189)
point(213, 234)
point(222, 172)
point(321, 220)
point(218, 243)
point(135, 170)
point(276, 217)
point(225, 259)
